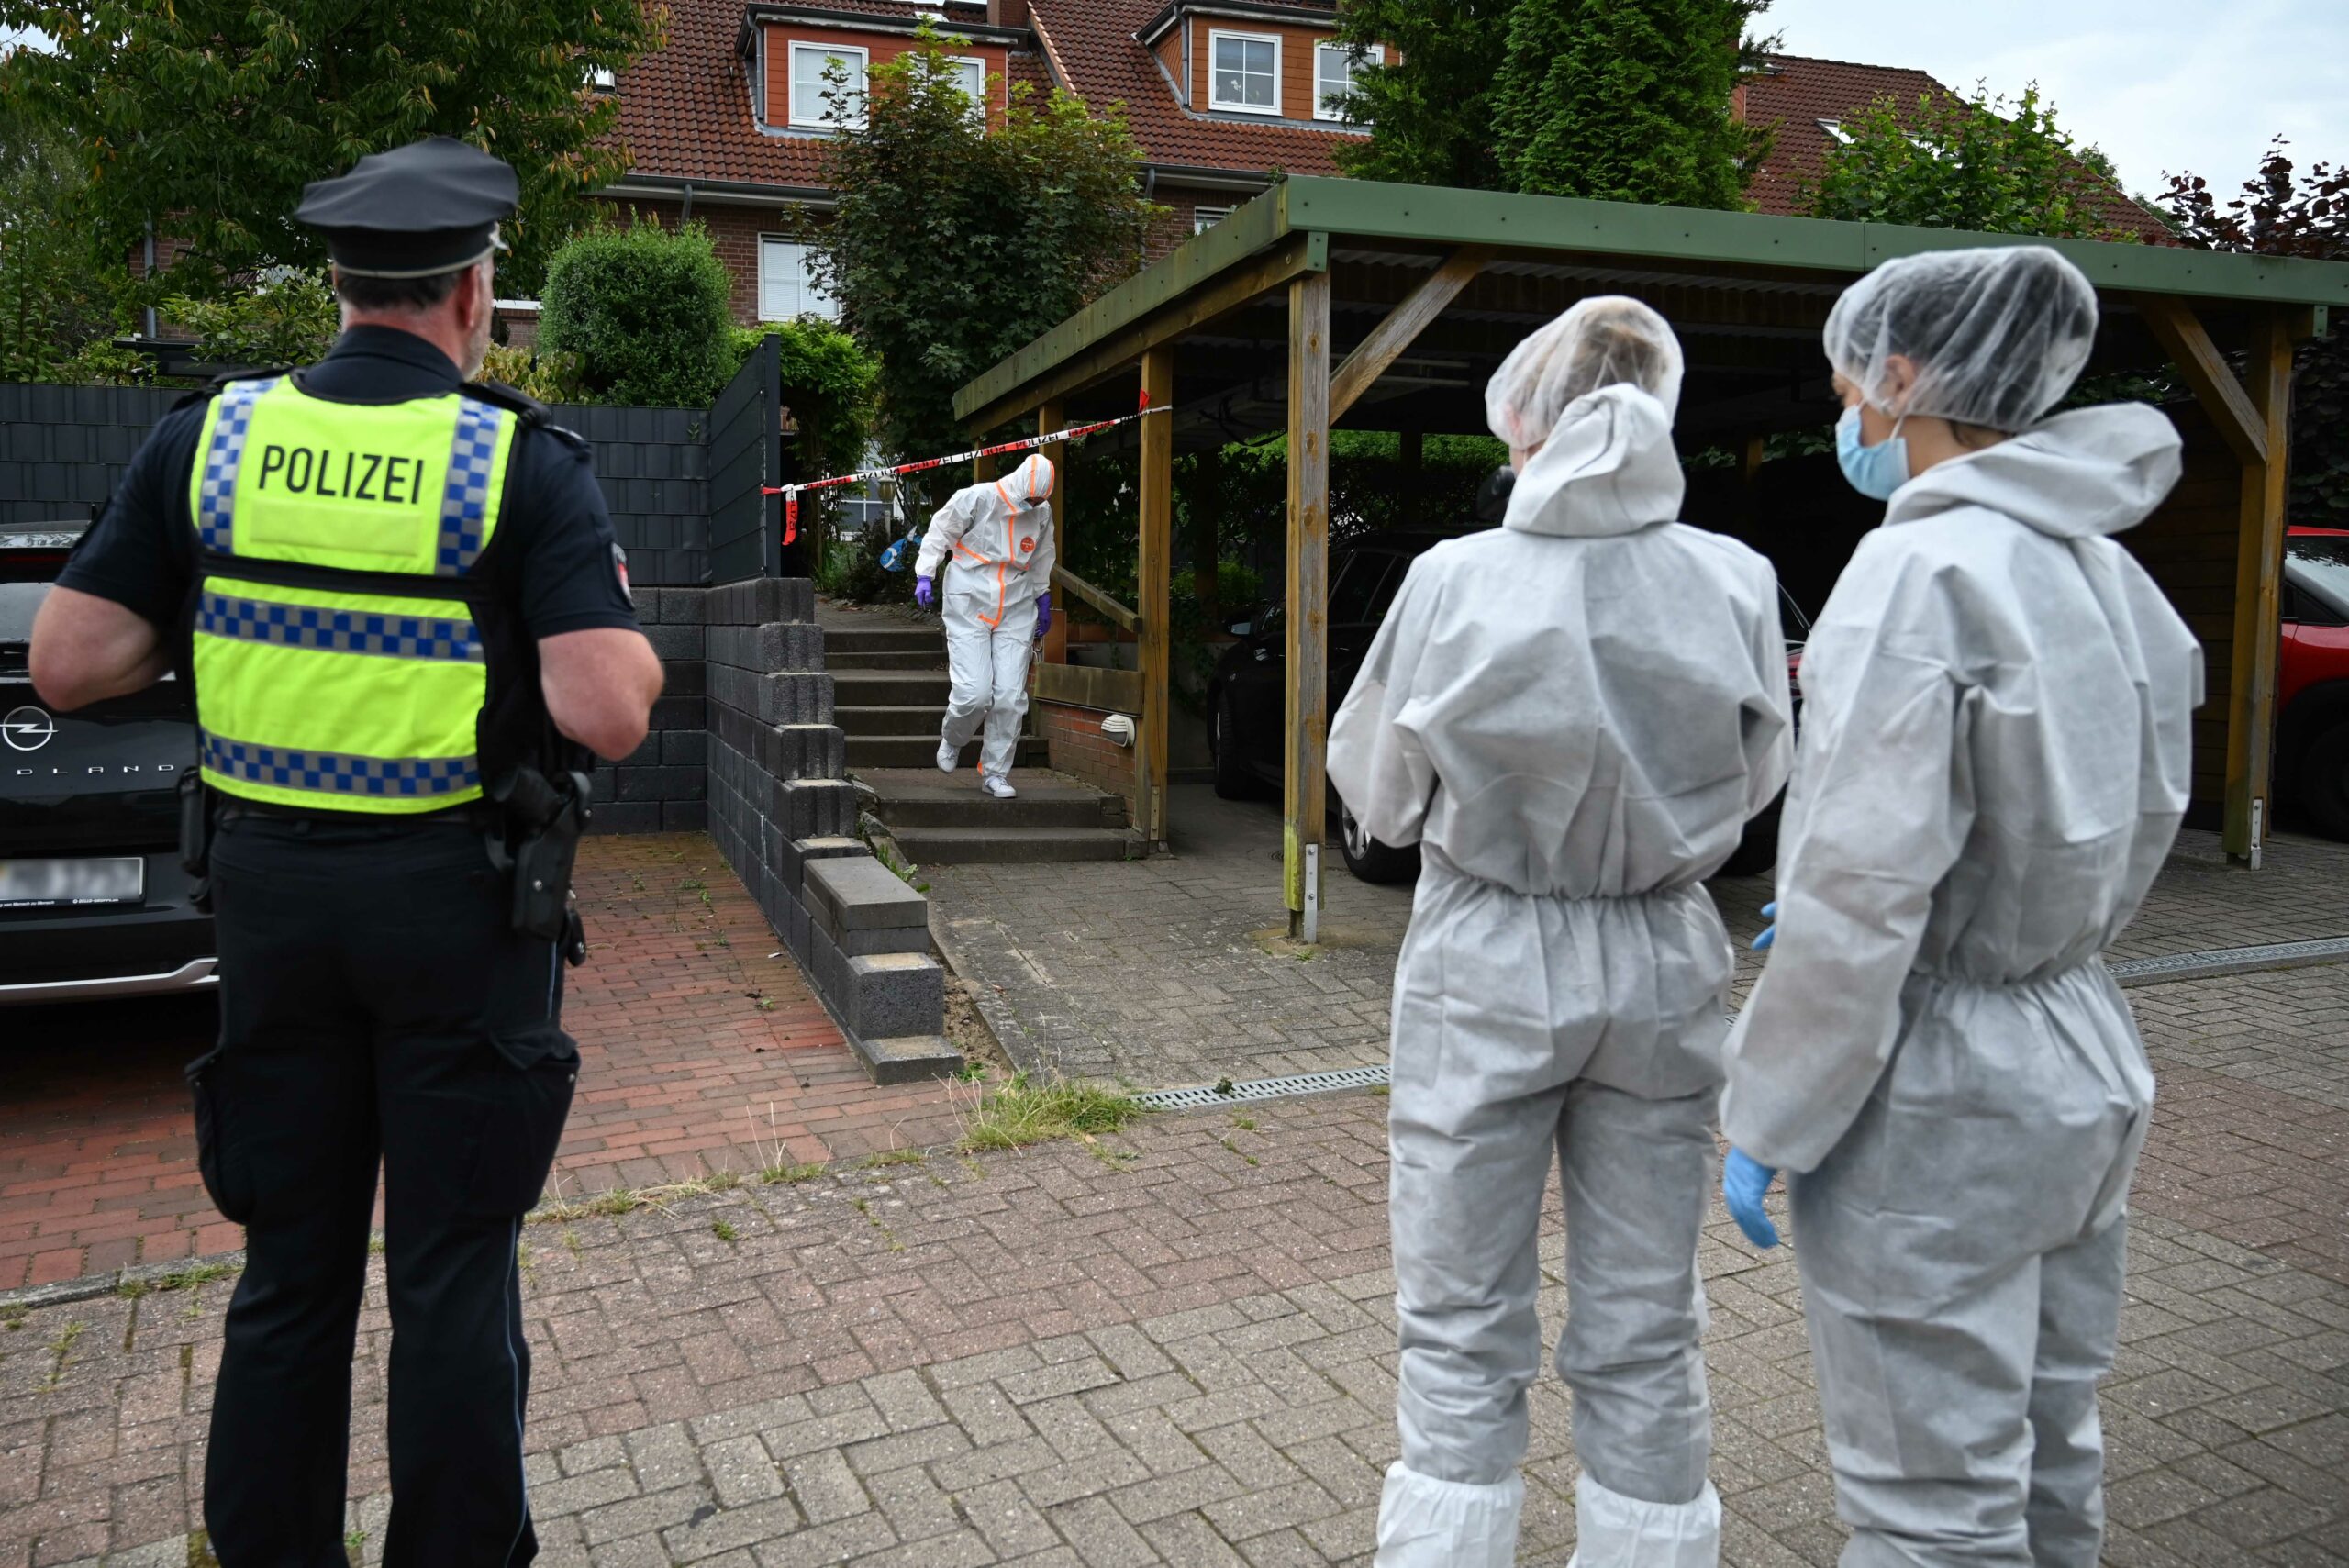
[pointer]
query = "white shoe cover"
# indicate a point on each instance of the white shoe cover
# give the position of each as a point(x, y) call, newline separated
point(1427, 1523)
point(1615, 1531)
point(998, 787)
point(949, 757)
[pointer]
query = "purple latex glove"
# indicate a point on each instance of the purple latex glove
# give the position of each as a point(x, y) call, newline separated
point(1043, 614)
point(926, 593)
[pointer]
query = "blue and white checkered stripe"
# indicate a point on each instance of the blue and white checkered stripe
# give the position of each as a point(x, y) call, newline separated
point(338, 631)
point(464, 500)
point(215, 502)
point(332, 772)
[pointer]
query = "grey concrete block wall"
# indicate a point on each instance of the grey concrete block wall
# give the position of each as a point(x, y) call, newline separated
point(783, 814)
point(63, 449)
point(662, 785)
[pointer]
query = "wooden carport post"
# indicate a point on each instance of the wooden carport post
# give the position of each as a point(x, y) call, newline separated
point(1305, 789)
point(2256, 427)
point(1154, 589)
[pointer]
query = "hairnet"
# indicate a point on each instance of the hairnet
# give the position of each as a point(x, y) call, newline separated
point(1603, 341)
point(1998, 336)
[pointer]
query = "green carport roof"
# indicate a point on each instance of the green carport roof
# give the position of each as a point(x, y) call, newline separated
point(1747, 293)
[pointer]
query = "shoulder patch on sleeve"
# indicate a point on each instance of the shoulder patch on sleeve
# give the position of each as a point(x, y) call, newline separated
point(620, 572)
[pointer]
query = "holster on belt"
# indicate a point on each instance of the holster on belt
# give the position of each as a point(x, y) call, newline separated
point(195, 837)
point(537, 843)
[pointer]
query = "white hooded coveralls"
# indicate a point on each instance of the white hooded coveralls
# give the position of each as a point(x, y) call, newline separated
point(1994, 762)
point(1574, 716)
point(996, 541)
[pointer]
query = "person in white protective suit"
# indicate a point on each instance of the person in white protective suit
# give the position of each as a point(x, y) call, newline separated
point(1574, 716)
point(1993, 762)
point(994, 539)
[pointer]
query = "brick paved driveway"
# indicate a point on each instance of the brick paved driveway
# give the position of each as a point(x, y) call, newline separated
point(1075, 1357)
point(702, 1053)
point(1162, 973)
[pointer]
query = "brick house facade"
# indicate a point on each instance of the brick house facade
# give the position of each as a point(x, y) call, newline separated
point(720, 125)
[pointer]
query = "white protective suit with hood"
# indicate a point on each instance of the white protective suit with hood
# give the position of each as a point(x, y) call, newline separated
point(994, 540)
point(1993, 762)
point(1574, 716)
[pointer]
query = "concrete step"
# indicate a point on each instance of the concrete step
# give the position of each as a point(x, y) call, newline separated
point(915, 798)
point(1013, 845)
point(883, 640)
point(868, 752)
point(837, 661)
point(889, 688)
point(890, 720)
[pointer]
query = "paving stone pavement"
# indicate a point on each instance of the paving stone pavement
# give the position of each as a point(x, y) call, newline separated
point(1178, 1346)
point(1167, 973)
point(703, 1049)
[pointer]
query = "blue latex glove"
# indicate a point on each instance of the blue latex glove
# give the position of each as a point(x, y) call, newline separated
point(1043, 615)
point(1744, 1180)
point(1769, 932)
point(926, 593)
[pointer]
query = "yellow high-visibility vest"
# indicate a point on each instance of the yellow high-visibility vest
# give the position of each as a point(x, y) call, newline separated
point(339, 663)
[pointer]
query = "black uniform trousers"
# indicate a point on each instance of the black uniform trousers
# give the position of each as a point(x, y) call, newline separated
point(376, 1004)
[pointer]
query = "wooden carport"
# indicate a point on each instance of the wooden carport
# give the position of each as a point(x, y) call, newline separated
point(1338, 302)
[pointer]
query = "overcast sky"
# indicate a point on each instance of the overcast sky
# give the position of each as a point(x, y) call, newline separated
point(2162, 86)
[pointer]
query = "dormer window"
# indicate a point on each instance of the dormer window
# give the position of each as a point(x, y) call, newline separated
point(603, 79)
point(809, 64)
point(1245, 75)
point(1333, 76)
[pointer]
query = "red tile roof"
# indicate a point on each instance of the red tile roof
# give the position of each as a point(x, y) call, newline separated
point(685, 110)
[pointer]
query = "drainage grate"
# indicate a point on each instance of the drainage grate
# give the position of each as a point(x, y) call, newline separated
point(2231, 961)
point(1264, 1089)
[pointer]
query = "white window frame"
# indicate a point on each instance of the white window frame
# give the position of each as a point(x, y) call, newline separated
point(603, 79)
point(1835, 132)
point(1201, 221)
point(816, 115)
point(1215, 37)
point(1372, 53)
point(830, 308)
point(979, 102)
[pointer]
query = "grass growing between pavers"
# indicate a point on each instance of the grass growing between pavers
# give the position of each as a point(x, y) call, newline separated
point(1021, 1113)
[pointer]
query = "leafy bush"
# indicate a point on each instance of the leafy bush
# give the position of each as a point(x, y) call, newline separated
point(542, 374)
point(1987, 164)
point(290, 319)
point(647, 311)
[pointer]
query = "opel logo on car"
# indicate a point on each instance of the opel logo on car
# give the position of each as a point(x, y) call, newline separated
point(28, 729)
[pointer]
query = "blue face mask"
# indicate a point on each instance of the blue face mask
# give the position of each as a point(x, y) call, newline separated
point(1874, 471)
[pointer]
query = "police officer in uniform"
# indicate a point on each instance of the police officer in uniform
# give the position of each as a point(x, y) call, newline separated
point(400, 600)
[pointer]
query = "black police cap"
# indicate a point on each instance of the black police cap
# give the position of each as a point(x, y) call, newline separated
point(414, 212)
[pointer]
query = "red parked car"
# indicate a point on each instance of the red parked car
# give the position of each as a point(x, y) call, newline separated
point(2313, 680)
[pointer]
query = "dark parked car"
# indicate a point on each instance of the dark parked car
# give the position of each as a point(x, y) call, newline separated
point(93, 901)
point(1247, 691)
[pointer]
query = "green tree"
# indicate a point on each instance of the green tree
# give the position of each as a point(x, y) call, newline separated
point(1626, 100)
point(1429, 106)
point(1980, 163)
point(57, 301)
point(205, 117)
point(645, 311)
point(953, 243)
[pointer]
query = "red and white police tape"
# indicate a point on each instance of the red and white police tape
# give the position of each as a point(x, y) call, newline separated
point(791, 493)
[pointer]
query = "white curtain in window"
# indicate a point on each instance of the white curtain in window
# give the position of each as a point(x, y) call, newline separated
point(1247, 73)
point(785, 288)
point(809, 61)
